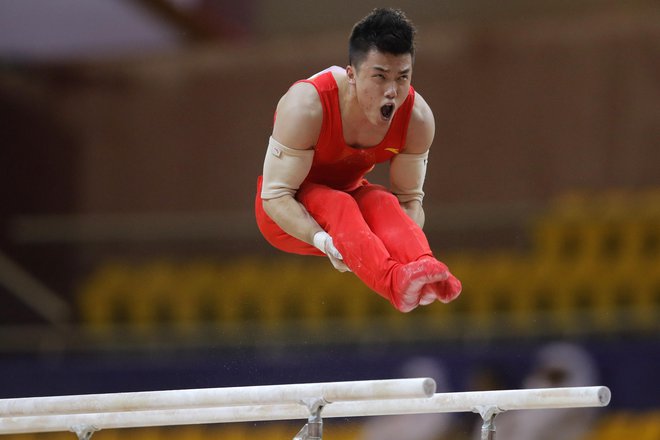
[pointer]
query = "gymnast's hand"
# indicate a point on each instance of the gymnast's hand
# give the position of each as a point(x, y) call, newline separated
point(323, 242)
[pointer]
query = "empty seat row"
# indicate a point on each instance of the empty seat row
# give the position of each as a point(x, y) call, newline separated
point(499, 290)
point(594, 266)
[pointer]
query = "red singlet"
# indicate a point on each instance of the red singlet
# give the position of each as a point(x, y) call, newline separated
point(339, 165)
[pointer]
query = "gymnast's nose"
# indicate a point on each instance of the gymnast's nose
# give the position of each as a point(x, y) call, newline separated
point(390, 91)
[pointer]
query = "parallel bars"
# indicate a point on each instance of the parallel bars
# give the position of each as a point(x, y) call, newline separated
point(85, 414)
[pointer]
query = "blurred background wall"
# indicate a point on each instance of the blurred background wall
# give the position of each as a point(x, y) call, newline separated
point(132, 133)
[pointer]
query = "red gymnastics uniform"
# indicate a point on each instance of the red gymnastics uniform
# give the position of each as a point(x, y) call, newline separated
point(367, 225)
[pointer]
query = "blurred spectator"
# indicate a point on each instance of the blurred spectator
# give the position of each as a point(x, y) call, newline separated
point(413, 426)
point(555, 365)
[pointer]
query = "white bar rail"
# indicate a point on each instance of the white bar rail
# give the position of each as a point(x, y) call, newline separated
point(215, 397)
point(546, 398)
point(504, 400)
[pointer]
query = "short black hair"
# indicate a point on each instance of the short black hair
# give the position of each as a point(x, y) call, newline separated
point(384, 29)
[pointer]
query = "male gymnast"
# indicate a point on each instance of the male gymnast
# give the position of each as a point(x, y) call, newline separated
point(329, 131)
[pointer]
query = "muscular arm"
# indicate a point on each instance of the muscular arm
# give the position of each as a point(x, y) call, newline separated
point(418, 141)
point(415, 211)
point(292, 217)
point(298, 123)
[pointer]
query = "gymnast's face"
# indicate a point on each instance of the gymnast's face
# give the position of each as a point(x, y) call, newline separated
point(381, 82)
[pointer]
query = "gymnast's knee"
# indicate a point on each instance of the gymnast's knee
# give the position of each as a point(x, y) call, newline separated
point(375, 195)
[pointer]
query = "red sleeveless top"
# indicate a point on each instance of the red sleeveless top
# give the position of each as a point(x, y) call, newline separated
point(339, 165)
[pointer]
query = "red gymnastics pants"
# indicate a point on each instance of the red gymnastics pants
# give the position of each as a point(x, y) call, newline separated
point(367, 225)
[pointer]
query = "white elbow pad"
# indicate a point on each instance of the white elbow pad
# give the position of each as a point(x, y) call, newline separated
point(285, 169)
point(407, 173)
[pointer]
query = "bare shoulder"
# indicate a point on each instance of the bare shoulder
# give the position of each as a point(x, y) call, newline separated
point(421, 129)
point(299, 117)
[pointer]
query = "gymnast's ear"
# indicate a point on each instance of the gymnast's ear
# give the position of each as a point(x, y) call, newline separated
point(350, 74)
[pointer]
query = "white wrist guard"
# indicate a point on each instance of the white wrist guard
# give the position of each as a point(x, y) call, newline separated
point(319, 240)
point(323, 242)
point(407, 174)
point(284, 170)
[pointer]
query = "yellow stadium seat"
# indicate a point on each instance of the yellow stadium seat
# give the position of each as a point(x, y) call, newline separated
point(614, 426)
point(557, 234)
point(357, 300)
point(608, 305)
point(550, 298)
point(626, 424)
point(525, 304)
point(222, 295)
point(243, 291)
point(646, 301)
point(274, 430)
point(55, 436)
point(613, 210)
point(105, 297)
point(322, 296)
point(473, 305)
point(281, 292)
point(649, 200)
point(493, 292)
point(197, 299)
point(231, 431)
point(107, 434)
point(650, 426)
point(342, 430)
point(155, 285)
point(24, 437)
point(184, 432)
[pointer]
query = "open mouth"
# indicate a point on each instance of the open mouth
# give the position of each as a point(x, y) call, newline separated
point(386, 111)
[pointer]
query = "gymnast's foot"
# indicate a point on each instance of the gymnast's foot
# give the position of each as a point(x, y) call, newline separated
point(443, 291)
point(410, 280)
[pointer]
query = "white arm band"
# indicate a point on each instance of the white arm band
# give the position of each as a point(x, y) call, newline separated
point(285, 169)
point(407, 173)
